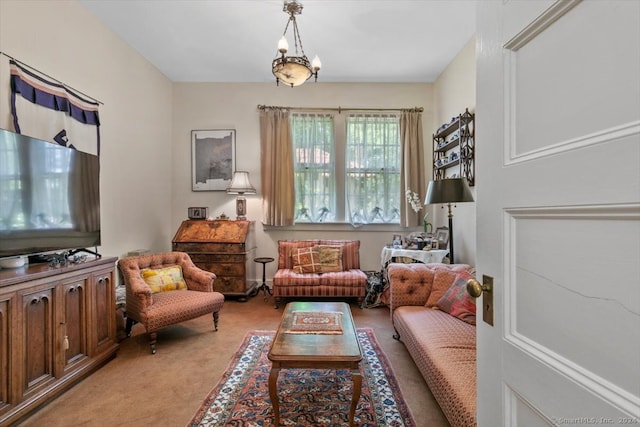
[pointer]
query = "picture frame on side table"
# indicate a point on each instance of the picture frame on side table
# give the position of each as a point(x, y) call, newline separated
point(442, 236)
point(213, 159)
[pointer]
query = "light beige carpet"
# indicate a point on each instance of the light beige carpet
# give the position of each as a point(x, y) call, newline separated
point(165, 389)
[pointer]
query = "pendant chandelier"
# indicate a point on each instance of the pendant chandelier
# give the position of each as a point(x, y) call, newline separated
point(296, 69)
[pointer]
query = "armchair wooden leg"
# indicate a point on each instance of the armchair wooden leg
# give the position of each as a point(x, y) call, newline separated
point(153, 338)
point(128, 326)
point(216, 316)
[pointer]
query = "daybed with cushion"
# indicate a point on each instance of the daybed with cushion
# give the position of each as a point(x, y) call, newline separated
point(165, 289)
point(435, 319)
point(319, 268)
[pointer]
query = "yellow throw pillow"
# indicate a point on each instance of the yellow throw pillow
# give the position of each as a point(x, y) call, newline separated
point(305, 260)
point(330, 258)
point(164, 279)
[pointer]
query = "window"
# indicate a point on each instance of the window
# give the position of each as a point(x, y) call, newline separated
point(347, 169)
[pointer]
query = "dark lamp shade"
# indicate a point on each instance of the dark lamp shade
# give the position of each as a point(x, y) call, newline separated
point(240, 184)
point(450, 190)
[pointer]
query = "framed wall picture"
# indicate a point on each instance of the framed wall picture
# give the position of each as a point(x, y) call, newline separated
point(442, 236)
point(213, 159)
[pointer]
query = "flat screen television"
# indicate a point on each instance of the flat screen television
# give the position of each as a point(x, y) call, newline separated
point(49, 197)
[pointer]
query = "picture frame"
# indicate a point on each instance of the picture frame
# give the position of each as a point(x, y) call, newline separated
point(213, 159)
point(397, 240)
point(442, 236)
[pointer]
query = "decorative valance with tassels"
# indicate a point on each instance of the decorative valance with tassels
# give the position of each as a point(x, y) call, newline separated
point(47, 109)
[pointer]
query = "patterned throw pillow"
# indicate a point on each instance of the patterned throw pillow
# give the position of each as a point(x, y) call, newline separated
point(442, 280)
point(330, 258)
point(457, 301)
point(164, 279)
point(305, 260)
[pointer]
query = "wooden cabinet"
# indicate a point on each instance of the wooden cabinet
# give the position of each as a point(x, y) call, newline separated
point(57, 325)
point(454, 149)
point(225, 248)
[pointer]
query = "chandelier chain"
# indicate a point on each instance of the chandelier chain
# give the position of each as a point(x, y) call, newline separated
point(296, 36)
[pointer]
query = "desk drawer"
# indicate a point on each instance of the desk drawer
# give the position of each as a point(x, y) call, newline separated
point(229, 285)
point(222, 269)
point(224, 258)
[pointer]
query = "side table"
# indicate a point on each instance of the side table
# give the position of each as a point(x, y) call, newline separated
point(264, 261)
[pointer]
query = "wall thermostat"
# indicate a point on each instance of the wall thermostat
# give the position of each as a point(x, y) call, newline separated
point(198, 213)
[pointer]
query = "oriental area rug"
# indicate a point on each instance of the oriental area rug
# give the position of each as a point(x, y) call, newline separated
point(308, 397)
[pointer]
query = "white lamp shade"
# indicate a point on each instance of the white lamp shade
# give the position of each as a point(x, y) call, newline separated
point(240, 184)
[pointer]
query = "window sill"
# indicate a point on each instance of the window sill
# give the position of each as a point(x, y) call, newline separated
point(338, 226)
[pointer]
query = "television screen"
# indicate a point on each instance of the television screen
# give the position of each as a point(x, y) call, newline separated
point(49, 196)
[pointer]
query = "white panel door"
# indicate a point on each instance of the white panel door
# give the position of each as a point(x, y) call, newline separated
point(558, 212)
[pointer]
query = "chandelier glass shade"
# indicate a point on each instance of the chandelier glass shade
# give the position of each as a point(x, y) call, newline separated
point(296, 69)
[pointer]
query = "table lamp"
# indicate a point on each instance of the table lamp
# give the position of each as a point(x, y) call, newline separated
point(240, 185)
point(449, 190)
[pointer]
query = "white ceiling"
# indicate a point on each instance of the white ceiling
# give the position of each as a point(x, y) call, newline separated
point(236, 40)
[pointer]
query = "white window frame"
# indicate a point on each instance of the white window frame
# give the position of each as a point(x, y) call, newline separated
point(340, 147)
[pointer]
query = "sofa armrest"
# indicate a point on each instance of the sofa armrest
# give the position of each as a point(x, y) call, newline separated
point(409, 284)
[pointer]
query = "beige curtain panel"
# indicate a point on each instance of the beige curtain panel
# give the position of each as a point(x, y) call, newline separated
point(412, 171)
point(276, 154)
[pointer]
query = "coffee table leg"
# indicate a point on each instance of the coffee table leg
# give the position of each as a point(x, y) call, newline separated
point(357, 388)
point(273, 394)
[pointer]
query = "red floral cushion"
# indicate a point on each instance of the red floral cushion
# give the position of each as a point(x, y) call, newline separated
point(306, 260)
point(456, 300)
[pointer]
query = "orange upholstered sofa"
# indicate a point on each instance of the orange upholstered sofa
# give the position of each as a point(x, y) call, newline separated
point(428, 306)
point(305, 271)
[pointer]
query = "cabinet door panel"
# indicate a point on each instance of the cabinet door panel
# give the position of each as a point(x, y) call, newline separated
point(5, 345)
point(38, 350)
point(74, 323)
point(103, 313)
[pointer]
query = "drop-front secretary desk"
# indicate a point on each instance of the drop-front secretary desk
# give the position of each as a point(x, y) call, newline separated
point(223, 247)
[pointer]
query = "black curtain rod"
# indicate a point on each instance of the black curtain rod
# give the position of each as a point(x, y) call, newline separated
point(52, 78)
point(339, 109)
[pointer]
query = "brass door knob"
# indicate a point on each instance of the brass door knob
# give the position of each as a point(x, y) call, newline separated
point(475, 289)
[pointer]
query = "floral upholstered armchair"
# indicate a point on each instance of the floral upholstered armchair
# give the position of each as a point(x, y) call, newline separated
point(166, 289)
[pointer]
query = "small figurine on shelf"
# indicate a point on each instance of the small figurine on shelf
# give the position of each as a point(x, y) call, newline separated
point(222, 217)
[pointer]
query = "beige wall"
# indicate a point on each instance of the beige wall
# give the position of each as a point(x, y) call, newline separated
point(234, 106)
point(455, 90)
point(147, 121)
point(62, 39)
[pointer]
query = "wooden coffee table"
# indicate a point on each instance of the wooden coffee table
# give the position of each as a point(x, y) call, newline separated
point(304, 350)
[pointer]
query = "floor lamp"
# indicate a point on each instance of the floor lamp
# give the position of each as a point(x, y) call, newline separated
point(240, 185)
point(448, 190)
